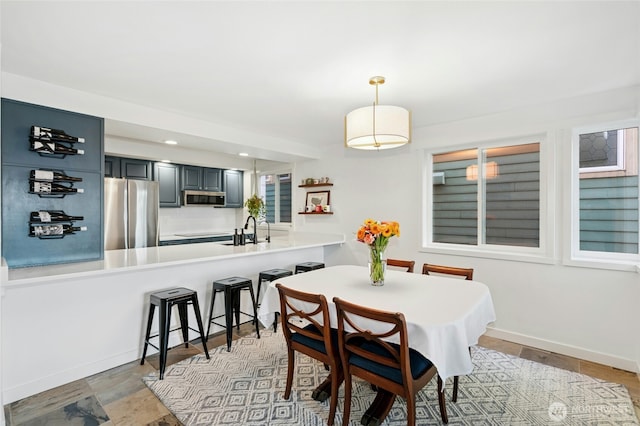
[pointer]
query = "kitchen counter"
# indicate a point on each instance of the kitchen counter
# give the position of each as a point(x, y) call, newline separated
point(157, 257)
point(91, 316)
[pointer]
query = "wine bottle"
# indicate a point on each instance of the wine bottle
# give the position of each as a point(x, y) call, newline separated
point(53, 148)
point(53, 176)
point(50, 230)
point(45, 216)
point(46, 133)
point(52, 188)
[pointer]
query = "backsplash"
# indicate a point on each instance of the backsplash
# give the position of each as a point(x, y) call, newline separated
point(198, 219)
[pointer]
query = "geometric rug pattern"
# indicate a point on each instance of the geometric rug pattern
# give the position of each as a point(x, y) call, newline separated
point(246, 386)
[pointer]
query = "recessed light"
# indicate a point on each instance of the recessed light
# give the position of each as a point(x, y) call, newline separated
point(165, 161)
point(170, 142)
point(243, 154)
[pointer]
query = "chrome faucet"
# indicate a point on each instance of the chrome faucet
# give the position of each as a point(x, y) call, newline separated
point(255, 228)
point(268, 230)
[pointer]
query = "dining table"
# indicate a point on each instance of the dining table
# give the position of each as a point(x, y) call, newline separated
point(445, 316)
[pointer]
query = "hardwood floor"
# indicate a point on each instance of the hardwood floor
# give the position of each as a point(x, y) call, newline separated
point(119, 397)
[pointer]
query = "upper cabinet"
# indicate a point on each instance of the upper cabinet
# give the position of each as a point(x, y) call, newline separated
point(129, 168)
point(233, 188)
point(201, 178)
point(111, 167)
point(168, 176)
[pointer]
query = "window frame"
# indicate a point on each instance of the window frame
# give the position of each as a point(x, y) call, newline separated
point(277, 224)
point(573, 255)
point(542, 254)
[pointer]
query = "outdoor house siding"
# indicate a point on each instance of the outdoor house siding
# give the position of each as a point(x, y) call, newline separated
point(512, 203)
point(609, 214)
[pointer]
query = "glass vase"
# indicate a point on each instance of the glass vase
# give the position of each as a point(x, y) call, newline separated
point(377, 267)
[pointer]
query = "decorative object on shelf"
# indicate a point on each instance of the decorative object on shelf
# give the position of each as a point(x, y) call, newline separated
point(256, 206)
point(309, 181)
point(377, 126)
point(376, 235)
point(315, 199)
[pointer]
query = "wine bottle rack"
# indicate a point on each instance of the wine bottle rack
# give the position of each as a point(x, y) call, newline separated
point(53, 139)
point(66, 184)
point(51, 224)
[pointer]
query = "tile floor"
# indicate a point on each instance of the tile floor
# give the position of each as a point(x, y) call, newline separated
point(119, 397)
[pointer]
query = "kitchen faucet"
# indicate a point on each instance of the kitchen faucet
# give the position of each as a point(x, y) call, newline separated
point(268, 230)
point(255, 228)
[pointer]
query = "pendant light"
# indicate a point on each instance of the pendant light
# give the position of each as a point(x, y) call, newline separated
point(377, 126)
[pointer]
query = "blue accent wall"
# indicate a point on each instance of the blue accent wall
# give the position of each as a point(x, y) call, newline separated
point(18, 248)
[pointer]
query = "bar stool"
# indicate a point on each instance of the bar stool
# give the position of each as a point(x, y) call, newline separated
point(231, 288)
point(308, 266)
point(165, 300)
point(271, 275)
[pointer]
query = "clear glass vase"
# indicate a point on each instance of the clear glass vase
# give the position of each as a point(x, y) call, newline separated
point(377, 267)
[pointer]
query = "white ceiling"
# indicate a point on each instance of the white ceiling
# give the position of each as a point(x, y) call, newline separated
point(290, 71)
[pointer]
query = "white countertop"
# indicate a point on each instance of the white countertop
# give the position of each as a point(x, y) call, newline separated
point(154, 257)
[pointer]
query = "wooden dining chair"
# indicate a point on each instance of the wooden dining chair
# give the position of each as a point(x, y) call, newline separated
point(299, 312)
point(394, 368)
point(409, 264)
point(427, 269)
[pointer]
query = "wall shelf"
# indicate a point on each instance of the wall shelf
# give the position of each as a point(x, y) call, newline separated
point(315, 212)
point(313, 185)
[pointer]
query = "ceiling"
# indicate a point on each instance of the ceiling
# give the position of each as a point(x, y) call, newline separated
point(277, 78)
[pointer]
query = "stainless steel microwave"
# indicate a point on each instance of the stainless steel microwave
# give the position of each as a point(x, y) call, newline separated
point(204, 198)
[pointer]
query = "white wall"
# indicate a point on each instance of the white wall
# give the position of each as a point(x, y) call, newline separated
point(584, 312)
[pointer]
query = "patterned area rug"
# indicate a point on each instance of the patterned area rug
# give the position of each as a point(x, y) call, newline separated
point(245, 387)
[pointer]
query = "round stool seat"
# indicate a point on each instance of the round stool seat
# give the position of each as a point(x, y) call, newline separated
point(308, 266)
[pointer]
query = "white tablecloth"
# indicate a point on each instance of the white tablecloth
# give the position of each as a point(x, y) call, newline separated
point(444, 315)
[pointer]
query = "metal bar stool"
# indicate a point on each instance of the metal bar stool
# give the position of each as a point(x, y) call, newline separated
point(271, 275)
point(165, 300)
point(231, 288)
point(308, 266)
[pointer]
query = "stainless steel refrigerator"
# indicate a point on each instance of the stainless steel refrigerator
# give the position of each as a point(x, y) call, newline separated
point(130, 213)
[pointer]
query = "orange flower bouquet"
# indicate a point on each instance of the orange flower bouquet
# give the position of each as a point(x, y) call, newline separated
point(376, 235)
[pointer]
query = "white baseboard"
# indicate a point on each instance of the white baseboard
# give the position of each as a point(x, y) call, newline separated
point(569, 350)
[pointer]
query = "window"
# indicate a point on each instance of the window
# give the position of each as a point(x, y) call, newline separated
point(605, 188)
point(486, 198)
point(275, 189)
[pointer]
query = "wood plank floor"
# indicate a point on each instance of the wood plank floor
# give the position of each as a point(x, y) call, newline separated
point(119, 397)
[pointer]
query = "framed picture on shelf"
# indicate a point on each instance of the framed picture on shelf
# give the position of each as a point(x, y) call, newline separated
point(317, 198)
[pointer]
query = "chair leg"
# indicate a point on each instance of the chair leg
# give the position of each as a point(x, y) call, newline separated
point(441, 402)
point(255, 310)
point(455, 389)
point(196, 310)
point(346, 411)
point(165, 320)
point(184, 322)
point(411, 410)
point(290, 367)
point(333, 402)
point(213, 301)
point(228, 315)
point(152, 308)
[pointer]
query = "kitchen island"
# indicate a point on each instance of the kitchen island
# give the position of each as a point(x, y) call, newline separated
point(64, 322)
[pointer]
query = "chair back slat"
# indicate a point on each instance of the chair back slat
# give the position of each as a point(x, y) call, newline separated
point(299, 309)
point(429, 268)
point(408, 264)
